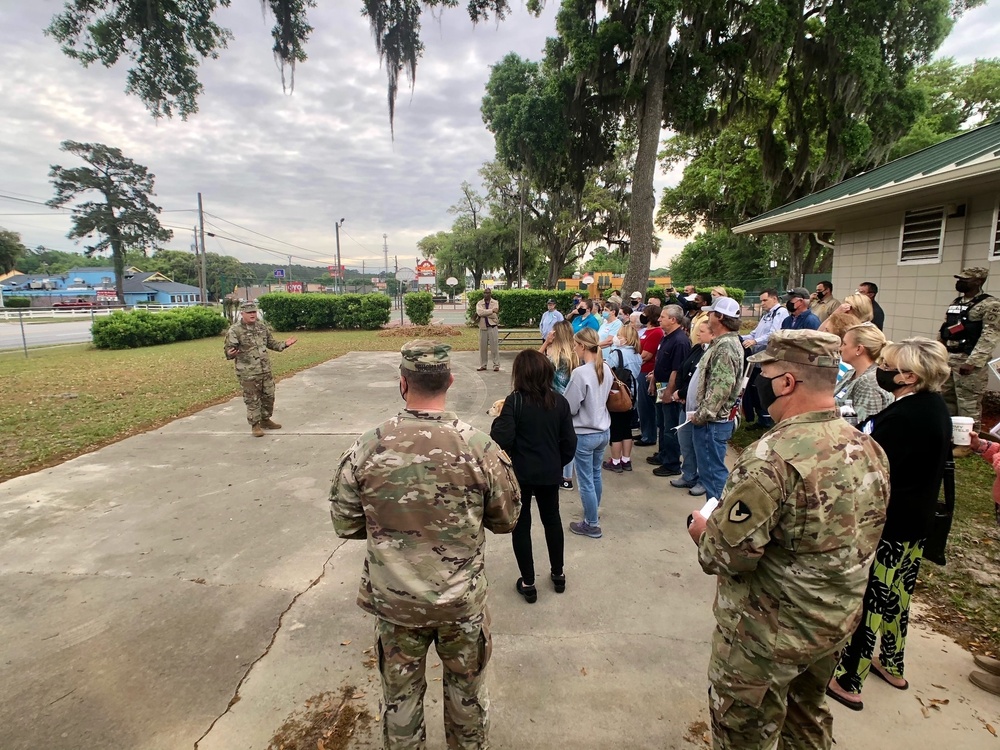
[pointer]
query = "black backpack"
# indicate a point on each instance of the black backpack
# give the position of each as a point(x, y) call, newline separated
point(625, 375)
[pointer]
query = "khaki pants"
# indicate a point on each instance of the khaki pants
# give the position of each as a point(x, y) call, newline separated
point(489, 337)
point(465, 650)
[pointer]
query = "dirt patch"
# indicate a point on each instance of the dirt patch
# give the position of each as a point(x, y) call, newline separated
point(699, 734)
point(420, 332)
point(327, 721)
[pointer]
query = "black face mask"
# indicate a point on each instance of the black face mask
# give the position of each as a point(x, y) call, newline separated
point(820, 294)
point(765, 391)
point(886, 380)
point(963, 286)
point(790, 306)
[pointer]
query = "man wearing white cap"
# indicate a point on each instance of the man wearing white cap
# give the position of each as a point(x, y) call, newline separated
point(637, 304)
point(720, 377)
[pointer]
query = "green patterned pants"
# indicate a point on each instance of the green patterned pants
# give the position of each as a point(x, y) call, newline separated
point(964, 393)
point(465, 649)
point(891, 580)
point(758, 703)
point(258, 395)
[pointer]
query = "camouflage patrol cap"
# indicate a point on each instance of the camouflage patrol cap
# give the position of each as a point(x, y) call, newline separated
point(973, 272)
point(423, 355)
point(248, 307)
point(803, 346)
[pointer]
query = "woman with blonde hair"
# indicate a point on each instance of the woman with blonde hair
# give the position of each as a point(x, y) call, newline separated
point(587, 394)
point(718, 291)
point(861, 347)
point(856, 308)
point(915, 433)
point(560, 348)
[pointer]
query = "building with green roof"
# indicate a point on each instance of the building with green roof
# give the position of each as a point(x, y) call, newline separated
point(909, 226)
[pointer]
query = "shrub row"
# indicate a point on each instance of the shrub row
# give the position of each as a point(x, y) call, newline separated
point(288, 312)
point(419, 307)
point(131, 330)
point(17, 301)
point(524, 307)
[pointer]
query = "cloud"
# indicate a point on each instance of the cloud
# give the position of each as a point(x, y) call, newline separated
point(290, 164)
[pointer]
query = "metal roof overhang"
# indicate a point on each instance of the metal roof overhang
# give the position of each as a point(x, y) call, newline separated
point(953, 185)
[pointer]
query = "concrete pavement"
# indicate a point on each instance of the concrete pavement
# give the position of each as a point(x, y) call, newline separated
point(184, 588)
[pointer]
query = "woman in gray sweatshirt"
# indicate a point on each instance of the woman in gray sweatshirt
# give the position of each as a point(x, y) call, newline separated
point(587, 394)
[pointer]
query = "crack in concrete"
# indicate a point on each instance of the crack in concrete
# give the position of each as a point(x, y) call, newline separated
point(274, 636)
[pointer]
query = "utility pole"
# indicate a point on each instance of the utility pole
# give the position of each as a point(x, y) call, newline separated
point(203, 276)
point(340, 276)
point(520, 235)
point(288, 273)
point(385, 249)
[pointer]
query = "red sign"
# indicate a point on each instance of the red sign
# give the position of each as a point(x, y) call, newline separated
point(333, 272)
point(106, 294)
point(294, 287)
point(426, 268)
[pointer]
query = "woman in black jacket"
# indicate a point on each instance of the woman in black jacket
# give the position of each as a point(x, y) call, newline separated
point(536, 430)
point(915, 433)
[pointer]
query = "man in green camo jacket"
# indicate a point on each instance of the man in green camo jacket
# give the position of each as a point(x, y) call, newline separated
point(247, 342)
point(790, 543)
point(422, 488)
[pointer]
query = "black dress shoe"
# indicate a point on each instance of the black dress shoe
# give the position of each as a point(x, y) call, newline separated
point(642, 443)
point(653, 460)
point(663, 471)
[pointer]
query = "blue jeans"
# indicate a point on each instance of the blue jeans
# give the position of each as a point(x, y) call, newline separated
point(647, 414)
point(710, 442)
point(668, 416)
point(689, 469)
point(589, 455)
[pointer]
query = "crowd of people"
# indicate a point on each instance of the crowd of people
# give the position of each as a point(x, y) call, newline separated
point(816, 539)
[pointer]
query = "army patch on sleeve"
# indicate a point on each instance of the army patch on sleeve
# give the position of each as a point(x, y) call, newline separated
point(740, 512)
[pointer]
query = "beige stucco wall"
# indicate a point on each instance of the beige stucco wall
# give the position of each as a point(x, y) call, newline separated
point(914, 296)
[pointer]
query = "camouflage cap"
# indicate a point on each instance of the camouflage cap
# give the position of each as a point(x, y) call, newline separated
point(424, 355)
point(248, 307)
point(973, 272)
point(802, 346)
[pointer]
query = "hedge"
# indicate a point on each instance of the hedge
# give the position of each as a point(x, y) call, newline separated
point(524, 307)
point(17, 301)
point(288, 312)
point(419, 307)
point(131, 330)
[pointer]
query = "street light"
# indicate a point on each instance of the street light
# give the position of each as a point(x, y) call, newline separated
point(340, 273)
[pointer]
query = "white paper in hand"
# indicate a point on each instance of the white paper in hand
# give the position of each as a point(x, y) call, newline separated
point(708, 507)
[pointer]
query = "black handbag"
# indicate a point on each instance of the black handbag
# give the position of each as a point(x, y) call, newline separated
point(937, 538)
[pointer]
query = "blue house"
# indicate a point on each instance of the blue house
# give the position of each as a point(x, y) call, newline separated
point(97, 284)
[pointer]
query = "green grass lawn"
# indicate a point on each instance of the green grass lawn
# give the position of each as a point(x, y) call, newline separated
point(963, 597)
point(61, 402)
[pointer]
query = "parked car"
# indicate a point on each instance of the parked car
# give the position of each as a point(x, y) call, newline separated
point(73, 304)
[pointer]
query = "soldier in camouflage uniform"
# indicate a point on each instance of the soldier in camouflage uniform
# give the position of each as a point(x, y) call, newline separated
point(791, 544)
point(422, 487)
point(720, 377)
point(970, 333)
point(247, 342)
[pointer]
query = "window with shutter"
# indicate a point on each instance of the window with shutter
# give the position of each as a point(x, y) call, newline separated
point(922, 235)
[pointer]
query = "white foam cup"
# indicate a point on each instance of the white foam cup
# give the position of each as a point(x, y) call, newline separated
point(961, 430)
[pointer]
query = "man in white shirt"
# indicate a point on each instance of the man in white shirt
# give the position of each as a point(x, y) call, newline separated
point(771, 316)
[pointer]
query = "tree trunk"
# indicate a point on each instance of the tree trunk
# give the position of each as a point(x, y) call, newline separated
point(643, 201)
point(118, 257)
point(796, 257)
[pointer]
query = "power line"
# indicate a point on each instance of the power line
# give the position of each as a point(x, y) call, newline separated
point(253, 231)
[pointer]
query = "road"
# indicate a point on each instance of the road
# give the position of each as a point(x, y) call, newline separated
point(44, 334)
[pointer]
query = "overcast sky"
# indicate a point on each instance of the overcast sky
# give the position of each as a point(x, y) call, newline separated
point(287, 165)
